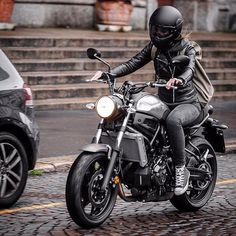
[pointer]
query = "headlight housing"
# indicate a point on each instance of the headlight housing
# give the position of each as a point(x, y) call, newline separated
point(109, 107)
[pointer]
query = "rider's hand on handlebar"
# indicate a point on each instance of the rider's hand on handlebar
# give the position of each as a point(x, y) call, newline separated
point(173, 82)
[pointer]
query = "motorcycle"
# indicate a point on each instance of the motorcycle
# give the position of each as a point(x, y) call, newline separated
point(130, 154)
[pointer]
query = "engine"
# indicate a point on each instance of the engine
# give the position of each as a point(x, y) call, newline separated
point(159, 172)
point(153, 182)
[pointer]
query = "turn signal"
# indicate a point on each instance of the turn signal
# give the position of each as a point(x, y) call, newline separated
point(116, 180)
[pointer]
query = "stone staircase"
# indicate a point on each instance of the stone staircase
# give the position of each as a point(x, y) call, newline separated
point(56, 67)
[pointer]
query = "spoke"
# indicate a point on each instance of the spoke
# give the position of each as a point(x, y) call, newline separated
point(205, 154)
point(15, 175)
point(94, 210)
point(16, 161)
point(14, 185)
point(10, 157)
point(3, 186)
point(3, 152)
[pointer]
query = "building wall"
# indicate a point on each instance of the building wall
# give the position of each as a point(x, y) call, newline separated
point(54, 13)
point(208, 15)
point(71, 13)
point(199, 15)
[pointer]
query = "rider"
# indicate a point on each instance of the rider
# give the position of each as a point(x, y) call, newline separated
point(165, 28)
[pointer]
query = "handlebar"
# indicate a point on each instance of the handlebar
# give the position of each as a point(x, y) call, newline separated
point(148, 84)
point(159, 85)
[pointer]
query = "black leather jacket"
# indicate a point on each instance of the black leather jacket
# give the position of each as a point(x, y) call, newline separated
point(185, 93)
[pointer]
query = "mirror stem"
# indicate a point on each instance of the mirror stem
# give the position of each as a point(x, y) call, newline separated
point(108, 65)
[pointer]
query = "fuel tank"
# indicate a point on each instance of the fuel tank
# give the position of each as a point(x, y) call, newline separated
point(150, 104)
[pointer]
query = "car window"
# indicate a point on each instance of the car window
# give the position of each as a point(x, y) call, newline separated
point(9, 77)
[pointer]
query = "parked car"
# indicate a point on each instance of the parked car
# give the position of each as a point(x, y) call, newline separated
point(19, 133)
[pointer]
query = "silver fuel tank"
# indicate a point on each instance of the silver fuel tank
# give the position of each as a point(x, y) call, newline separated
point(150, 104)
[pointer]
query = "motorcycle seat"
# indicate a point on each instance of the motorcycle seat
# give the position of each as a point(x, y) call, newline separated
point(207, 110)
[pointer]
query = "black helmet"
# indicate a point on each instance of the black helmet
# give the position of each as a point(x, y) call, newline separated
point(165, 25)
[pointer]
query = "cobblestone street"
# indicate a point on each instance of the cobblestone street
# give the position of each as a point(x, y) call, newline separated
point(42, 211)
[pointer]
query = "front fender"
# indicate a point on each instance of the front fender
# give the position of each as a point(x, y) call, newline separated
point(98, 147)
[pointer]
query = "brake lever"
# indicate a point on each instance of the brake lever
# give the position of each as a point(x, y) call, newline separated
point(97, 80)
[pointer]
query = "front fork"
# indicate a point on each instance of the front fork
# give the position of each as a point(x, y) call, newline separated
point(116, 149)
point(97, 137)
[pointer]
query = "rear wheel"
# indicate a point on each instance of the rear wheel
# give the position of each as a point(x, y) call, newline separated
point(199, 191)
point(13, 169)
point(87, 204)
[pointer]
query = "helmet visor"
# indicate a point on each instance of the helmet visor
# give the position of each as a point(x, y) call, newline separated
point(160, 31)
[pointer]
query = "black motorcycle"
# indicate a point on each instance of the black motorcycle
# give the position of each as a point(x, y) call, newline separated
point(130, 154)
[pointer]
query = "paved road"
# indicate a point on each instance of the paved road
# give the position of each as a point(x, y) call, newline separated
point(65, 132)
point(42, 211)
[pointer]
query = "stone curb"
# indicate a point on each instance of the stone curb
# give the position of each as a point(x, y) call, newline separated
point(53, 164)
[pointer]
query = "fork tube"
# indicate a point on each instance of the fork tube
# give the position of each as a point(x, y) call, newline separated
point(122, 131)
point(99, 132)
point(116, 150)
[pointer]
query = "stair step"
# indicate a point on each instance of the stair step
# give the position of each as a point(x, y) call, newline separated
point(56, 77)
point(97, 89)
point(222, 85)
point(87, 64)
point(79, 103)
point(221, 73)
point(54, 62)
point(70, 77)
point(224, 95)
point(74, 42)
point(101, 40)
point(69, 91)
point(113, 52)
point(208, 53)
point(75, 77)
point(63, 103)
point(219, 63)
point(65, 52)
point(69, 64)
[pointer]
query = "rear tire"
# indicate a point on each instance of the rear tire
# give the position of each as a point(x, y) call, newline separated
point(86, 204)
point(13, 169)
point(199, 192)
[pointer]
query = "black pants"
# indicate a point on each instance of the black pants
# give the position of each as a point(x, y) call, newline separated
point(180, 116)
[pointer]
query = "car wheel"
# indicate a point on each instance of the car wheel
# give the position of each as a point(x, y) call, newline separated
point(13, 169)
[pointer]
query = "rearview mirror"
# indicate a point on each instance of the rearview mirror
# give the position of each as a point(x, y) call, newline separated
point(181, 60)
point(93, 53)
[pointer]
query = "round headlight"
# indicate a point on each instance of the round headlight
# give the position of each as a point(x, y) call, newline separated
point(105, 107)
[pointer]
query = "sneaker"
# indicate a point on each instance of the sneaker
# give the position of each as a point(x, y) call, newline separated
point(181, 180)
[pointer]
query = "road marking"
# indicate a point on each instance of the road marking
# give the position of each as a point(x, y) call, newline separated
point(226, 181)
point(9, 211)
point(35, 207)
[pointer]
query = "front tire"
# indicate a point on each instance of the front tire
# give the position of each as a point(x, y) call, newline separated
point(87, 205)
point(13, 169)
point(199, 192)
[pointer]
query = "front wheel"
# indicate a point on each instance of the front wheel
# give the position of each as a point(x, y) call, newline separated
point(199, 191)
point(87, 205)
